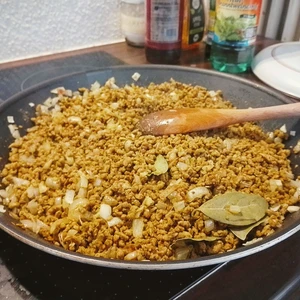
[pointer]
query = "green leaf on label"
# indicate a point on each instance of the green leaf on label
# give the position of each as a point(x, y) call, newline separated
point(235, 208)
point(161, 165)
point(242, 231)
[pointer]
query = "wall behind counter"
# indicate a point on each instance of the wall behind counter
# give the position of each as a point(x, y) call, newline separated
point(31, 28)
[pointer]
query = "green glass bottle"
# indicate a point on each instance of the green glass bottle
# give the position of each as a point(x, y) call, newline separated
point(235, 31)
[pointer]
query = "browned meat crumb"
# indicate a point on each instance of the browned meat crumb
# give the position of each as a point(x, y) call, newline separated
point(83, 174)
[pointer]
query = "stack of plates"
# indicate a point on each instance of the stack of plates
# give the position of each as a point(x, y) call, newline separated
point(279, 67)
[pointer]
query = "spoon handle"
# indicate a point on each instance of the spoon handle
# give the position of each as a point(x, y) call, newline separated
point(184, 120)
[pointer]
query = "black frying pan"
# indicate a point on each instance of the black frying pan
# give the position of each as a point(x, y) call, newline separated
point(240, 92)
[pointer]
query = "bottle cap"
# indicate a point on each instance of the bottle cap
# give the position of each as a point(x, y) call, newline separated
point(133, 1)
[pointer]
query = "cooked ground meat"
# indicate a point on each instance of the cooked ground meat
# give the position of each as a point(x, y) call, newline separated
point(84, 176)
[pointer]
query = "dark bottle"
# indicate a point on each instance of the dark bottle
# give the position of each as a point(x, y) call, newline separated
point(211, 26)
point(193, 26)
point(163, 31)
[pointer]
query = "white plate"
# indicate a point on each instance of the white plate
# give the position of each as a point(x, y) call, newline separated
point(279, 67)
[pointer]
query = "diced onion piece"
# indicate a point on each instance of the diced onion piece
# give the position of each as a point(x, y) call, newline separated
point(182, 253)
point(197, 192)
point(32, 192)
point(74, 120)
point(114, 105)
point(95, 86)
point(10, 119)
point(297, 193)
point(127, 145)
point(131, 256)
point(34, 226)
point(19, 181)
point(109, 200)
point(40, 225)
point(234, 209)
point(182, 166)
point(174, 96)
point(27, 159)
point(82, 193)
point(292, 133)
point(97, 182)
point(296, 149)
point(212, 94)
point(295, 183)
point(161, 205)
point(275, 183)
point(3, 193)
point(111, 83)
point(278, 140)
point(137, 179)
point(104, 211)
point(42, 188)
point(209, 225)
point(114, 221)
point(83, 183)
point(148, 201)
point(59, 90)
point(161, 165)
point(28, 224)
point(137, 227)
point(136, 76)
point(33, 207)
point(283, 128)
point(31, 104)
point(178, 206)
point(48, 164)
point(74, 212)
point(72, 232)
point(57, 201)
point(228, 143)
point(275, 208)
point(2, 209)
point(14, 131)
point(52, 182)
point(293, 208)
point(69, 197)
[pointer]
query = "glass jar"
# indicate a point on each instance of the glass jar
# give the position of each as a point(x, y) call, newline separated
point(133, 23)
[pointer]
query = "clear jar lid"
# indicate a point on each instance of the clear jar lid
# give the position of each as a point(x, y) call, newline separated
point(133, 1)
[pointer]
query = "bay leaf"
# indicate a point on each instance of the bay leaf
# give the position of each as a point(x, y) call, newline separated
point(183, 248)
point(161, 165)
point(187, 241)
point(235, 208)
point(242, 231)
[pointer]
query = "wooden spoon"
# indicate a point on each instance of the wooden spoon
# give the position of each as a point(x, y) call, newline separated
point(184, 120)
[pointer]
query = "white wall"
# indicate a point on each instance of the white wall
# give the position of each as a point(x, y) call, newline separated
point(30, 28)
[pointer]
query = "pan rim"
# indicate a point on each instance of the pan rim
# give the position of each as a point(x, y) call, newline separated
point(49, 248)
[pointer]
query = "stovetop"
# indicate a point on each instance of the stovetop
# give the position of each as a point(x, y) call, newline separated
point(27, 273)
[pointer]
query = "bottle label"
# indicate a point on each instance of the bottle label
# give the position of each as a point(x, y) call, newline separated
point(211, 21)
point(196, 21)
point(236, 22)
point(165, 16)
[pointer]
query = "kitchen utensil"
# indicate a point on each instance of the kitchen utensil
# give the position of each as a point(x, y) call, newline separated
point(184, 120)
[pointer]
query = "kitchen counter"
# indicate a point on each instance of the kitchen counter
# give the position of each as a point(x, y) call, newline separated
point(27, 273)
